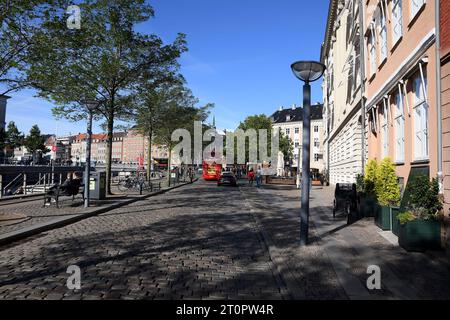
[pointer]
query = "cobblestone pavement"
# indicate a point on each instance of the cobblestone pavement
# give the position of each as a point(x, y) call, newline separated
point(33, 212)
point(197, 241)
point(334, 264)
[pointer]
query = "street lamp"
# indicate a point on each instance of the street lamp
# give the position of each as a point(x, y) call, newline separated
point(306, 71)
point(91, 106)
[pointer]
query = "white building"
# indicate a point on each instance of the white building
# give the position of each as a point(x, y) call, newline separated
point(342, 92)
point(290, 122)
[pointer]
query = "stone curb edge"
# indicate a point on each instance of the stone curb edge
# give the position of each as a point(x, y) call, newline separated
point(13, 236)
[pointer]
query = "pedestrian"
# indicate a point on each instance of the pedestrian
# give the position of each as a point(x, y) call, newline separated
point(258, 177)
point(251, 177)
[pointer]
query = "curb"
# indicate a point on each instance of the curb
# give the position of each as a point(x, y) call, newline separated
point(13, 236)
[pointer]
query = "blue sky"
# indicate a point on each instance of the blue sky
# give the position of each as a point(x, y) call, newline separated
point(239, 57)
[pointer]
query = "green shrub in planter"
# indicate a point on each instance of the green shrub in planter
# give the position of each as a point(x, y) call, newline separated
point(420, 228)
point(388, 192)
point(365, 185)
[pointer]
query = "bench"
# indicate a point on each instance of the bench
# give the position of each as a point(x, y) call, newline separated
point(57, 191)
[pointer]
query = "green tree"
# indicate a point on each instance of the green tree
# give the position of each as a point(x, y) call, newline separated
point(386, 184)
point(262, 121)
point(151, 101)
point(104, 60)
point(19, 21)
point(13, 138)
point(180, 112)
point(370, 177)
point(35, 141)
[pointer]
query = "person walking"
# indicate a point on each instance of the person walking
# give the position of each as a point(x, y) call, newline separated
point(258, 177)
point(251, 177)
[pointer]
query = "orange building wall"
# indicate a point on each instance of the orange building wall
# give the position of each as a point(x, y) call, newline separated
point(413, 33)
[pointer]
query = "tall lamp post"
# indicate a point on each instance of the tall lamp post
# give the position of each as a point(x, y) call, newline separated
point(91, 106)
point(306, 71)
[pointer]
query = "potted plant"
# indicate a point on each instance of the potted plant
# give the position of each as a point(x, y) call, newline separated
point(388, 193)
point(420, 225)
point(367, 195)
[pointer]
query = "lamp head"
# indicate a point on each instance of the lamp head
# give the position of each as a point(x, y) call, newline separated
point(308, 71)
point(91, 104)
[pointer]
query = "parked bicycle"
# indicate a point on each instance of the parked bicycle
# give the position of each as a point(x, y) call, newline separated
point(133, 183)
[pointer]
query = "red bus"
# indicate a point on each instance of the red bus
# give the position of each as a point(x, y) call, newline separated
point(211, 171)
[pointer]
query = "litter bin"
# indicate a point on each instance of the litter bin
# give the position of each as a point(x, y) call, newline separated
point(97, 186)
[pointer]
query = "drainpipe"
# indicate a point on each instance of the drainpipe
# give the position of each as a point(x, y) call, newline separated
point(362, 70)
point(438, 98)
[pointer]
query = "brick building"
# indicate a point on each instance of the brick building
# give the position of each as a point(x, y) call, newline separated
point(445, 95)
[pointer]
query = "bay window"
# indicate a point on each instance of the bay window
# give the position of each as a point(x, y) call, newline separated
point(420, 118)
point(399, 127)
point(397, 22)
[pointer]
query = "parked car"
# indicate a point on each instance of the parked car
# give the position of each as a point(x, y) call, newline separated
point(227, 178)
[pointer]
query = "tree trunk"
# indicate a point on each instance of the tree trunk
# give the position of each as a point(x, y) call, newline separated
point(109, 151)
point(149, 157)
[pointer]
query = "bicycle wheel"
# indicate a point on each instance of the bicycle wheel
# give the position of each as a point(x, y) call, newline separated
point(123, 185)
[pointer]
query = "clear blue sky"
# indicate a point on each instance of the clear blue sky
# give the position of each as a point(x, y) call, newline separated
point(239, 57)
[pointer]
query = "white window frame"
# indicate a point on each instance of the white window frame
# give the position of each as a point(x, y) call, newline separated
point(383, 33)
point(288, 131)
point(415, 6)
point(399, 126)
point(296, 130)
point(421, 116)
point(372, 51)
point(397, 20)
point(385, 131)
point(316, 127)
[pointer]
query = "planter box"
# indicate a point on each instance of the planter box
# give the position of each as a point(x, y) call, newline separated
point(367, 206)
point(420, 235)
point(395, 224)
point(383, 217)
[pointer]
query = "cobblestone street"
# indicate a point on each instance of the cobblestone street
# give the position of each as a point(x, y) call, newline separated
point(194, 242)
point(201, 241)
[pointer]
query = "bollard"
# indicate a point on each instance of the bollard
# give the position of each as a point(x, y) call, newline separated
point(24, 183)
point(140, 188)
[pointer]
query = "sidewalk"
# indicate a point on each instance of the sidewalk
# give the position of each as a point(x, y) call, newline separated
point(334, 264)
point(21, 219)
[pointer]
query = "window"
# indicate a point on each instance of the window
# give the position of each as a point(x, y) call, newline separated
point(383, 33)
point(397, 23)
point(372, 53)
point(316, 142)
point(296, 130)
point(316, 128)
point(420, 118)
point(296, 144)
point(288, 118)
point(288, 131)
point(415, 7)
point(399, 127)
point(316, 157)
point(385, 130)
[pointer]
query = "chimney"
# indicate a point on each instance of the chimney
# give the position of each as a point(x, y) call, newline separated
point(280, 108)
point(294, 106)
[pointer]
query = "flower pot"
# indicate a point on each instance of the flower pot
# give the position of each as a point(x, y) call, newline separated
point(367, 206)
point(420, 235)
point(395, 224)
point(383, 217)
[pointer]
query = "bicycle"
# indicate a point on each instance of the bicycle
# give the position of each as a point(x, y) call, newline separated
point(132, 183)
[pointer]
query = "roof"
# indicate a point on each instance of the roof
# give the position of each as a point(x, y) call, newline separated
point(297, 114)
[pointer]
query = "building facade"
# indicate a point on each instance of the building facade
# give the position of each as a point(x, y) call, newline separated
point(401, 84)
point(444, 53)
point(290, 122)
point(343, 93)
